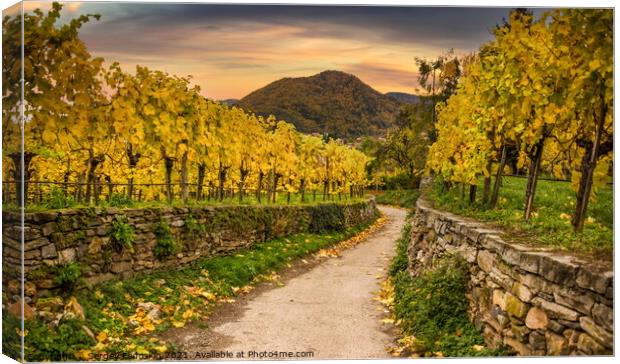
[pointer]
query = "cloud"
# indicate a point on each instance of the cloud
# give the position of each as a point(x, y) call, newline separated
point(385, 77)
point(230, 50)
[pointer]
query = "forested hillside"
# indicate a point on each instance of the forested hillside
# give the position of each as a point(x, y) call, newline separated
point(331, 102)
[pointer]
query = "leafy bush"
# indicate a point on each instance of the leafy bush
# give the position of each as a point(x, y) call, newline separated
point(327, 217)
point(120, 200)
point(403, 198)
point(57, 344)
point(400, 181)
point(166, 244)
point(433, 307)
point(58, 199)
point(400, 261)
point(67, 275)
point(122, 234)
point(193, 226)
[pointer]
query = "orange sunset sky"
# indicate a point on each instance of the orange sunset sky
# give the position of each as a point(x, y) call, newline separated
point(231, 50)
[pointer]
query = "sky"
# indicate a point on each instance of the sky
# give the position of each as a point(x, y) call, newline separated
point(231, 50)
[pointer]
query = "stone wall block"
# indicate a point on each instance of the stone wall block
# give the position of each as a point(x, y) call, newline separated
point(603, 316)
point(578, 301)
point(594, 280)
point(537, 301)
point(554, 310)
point(599, 334)
point(558, 269)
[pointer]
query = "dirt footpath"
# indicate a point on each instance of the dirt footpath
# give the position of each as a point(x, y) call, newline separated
point(328, 310)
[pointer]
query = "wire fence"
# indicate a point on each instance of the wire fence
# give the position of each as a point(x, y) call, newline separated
point(56, 194)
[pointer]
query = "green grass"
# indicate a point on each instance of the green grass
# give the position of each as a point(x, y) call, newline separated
point(432, 308)
point(109, 306)
point(402, 198)
point(550, 225)
point(250, 199)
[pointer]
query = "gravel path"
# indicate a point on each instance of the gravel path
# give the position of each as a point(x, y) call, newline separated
point(328, 310)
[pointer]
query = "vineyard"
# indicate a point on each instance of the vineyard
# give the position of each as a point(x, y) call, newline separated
point(95, 134)
point(502, 169)
point(540, 93)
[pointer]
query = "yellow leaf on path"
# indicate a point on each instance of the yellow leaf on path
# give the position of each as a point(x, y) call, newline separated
point(102, 336)
point(99, 347)
point(161, 348)
point(141, 350)
point(210, 296)
point(187, 314)
point(478, 347)
point(83, 354)
point(178, 323)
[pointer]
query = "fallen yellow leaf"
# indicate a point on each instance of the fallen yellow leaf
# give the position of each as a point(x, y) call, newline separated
point(102, 336)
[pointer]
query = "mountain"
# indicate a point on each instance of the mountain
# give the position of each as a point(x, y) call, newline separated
point(404, 97)
point(230, 102)
point(331, 102)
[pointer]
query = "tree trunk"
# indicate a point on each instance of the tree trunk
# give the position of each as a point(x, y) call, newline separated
point(184, 172)
point(93, 163)
point(532, 179)
point(243, 173)
point(472, 194)
point(80, 185)
point(325, 189)
point(20, 177)
point(588, 164)
point(486, 192)
point(498, 178)
point(276, 177)
point(108, 181)
point(201, 178)
point(66, 178)
point(221, 179)
point(302, 189)
point(133, 162)
point(259, 186)
point(169, 163)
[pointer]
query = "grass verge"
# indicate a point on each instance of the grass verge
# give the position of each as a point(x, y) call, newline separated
point(120, 320)
point(402, 198)
point(120, 201)
point(550, 224)
point(431, 310)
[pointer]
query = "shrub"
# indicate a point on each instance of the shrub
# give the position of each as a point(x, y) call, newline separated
point(58, 199)
point(433, 307)
point(67, 275)
point(327, 217)
point(120, 200)
point(401, 260)
point(122, 234)
point(403, 198)
point(193, 226)
point(166, 244)
point(58, 345)
point(400, 181)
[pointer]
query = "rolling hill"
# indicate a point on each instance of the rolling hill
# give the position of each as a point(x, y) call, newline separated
point(332, 102)
point(404, 97)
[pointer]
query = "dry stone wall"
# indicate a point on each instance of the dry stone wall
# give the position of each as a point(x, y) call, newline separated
point(531, 300)
point(56, 238)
